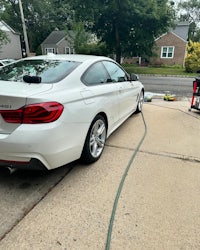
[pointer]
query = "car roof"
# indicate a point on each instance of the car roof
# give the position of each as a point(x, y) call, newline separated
point(7, 60)
point(69, 57)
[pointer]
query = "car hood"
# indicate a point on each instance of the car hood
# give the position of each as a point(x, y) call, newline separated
point(13, 95)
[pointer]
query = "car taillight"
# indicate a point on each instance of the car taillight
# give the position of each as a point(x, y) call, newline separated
point(34, 113)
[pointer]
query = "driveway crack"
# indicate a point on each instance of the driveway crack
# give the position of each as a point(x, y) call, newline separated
point(182, 157)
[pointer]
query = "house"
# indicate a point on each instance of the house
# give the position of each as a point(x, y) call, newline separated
point(171, 46)
point(12, 49)
point(57, 43)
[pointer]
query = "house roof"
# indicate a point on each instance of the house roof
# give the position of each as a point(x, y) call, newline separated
point(181, 30)
point(5, 27)
point(56, 36)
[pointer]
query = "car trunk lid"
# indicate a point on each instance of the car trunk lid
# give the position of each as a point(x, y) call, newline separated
point(13, 95)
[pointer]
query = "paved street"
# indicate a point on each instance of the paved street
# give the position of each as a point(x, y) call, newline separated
point(180, 86)
point(158, 207)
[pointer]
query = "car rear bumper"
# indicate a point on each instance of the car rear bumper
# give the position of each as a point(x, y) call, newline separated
point(49, 146)
point(34, 164)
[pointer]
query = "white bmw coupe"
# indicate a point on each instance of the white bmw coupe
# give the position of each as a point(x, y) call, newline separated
point(55, 109)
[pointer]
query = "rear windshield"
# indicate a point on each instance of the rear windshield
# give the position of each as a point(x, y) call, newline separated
point(50, 71)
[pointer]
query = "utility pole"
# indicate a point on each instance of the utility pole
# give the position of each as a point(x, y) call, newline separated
point(24, 28)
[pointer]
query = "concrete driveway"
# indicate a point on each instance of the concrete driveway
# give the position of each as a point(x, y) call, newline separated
point(159, 205)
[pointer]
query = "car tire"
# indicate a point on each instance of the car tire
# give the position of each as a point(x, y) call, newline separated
point(140, 102)
point(95, 140)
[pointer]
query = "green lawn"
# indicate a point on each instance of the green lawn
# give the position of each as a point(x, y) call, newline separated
point(173, 70)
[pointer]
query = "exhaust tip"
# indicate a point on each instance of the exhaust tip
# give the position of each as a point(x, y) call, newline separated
point(7, 170)
point(11, 170)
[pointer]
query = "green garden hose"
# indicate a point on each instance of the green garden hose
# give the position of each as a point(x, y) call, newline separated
point(121, 186)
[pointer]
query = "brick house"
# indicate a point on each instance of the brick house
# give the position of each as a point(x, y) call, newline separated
point(171, 46)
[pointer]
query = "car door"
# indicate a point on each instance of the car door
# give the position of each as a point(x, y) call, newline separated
point(127, 90)
point(99, 93)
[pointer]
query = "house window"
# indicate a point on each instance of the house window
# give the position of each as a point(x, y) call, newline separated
point(167, 52)
point(49, 50)
point(69, 50)
point(72, 51)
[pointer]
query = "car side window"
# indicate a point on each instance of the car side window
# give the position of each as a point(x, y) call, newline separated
point(115, 72)
point(96, 74)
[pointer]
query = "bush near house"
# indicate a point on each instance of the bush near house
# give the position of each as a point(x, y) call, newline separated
point(192, 61)
point(98, 49)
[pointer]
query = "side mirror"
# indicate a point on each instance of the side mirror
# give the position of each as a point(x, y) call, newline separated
point(134, 77)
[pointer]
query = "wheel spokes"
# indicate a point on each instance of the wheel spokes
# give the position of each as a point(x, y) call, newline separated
point(141, 100)
point(97, 138)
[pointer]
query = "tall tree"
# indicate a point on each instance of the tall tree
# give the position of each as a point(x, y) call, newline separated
point(190, 11)
point(127, 26)
point(41, 17)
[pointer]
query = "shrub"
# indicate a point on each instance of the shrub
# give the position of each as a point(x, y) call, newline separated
point(93, 49)
point(192, 61)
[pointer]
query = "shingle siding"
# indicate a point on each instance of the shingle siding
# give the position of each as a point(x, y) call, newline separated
point(13, 48)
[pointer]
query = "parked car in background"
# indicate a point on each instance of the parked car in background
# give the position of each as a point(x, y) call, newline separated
point(55, 109)
point(4, 62)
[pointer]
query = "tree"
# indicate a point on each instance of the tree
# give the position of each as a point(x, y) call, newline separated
point(41, 17)
point(84, 42)
point(128, 26)
point(97, 48)
point(190, 11)
point(78, 35)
